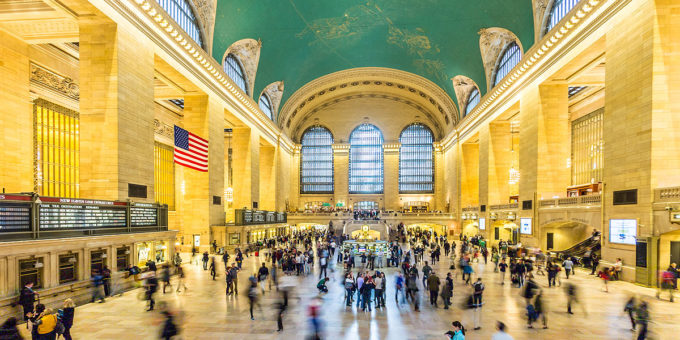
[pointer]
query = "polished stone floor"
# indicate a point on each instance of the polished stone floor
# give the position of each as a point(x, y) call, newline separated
point(208, 314)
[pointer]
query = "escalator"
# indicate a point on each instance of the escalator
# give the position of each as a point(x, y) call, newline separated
point(582, 248)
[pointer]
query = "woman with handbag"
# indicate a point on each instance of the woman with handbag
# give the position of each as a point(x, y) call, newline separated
point(48, 325)
point(67, 318)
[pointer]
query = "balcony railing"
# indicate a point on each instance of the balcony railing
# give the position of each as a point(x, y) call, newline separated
point(509, 206)
point(671, 194)
point(588, 200)
point(471, 209)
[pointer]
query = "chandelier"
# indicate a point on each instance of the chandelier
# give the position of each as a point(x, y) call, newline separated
point(229, 194)
point(513, 174)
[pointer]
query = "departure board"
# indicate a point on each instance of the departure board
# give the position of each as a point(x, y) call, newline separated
point(77, 216)
point(143, 216)
point(15, 217)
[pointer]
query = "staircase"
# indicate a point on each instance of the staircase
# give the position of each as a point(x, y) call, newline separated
point(579, 250)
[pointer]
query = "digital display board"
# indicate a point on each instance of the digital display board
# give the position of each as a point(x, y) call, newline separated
point(143, 216)
point(482, 223)
point(15, 217)
point(525, 226)
point(81, 216)
point(623, 231)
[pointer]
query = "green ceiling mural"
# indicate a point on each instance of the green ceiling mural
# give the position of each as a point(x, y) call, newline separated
point(306, 39)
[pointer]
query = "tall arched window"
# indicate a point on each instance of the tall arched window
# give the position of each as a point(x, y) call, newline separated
point(366, 160)
point(473, 100)
point(511, 57)
point(416, 163)
point(316, 164)
point(233, 68)
point(559, 10)
point(266, 105)
point(181, 12)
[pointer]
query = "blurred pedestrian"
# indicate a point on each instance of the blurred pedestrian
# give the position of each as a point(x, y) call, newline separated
point(67, 315)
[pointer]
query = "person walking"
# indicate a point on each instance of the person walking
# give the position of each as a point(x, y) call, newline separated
point(426, 272)
point(379, 291)
point(539, 310)
point(27, 299)
point(503, 267)
point(9, 330)
point(433, 286)
point(67, 318)
point(97, 283)
point(630, 309)
point(478, 288)
point(501, 334)
point(151, 287)
point(399, 285)
point(262, 275)
point(181, 278)
point(594, 262)
point(165, 276)
point(213, 269)
point(252, 296)
point(568, 266)
point(206, 258)
point(447, 291)
point(458, 331)
point(642, 319)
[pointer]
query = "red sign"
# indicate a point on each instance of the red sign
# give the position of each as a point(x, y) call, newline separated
point(4, 197)
point(80, 201)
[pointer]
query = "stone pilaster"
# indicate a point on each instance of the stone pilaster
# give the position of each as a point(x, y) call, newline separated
point(268, 187)
point(341, 173)
point(391, 176)
point(246, 165)
point(116, 111)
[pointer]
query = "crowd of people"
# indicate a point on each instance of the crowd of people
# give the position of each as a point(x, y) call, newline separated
point(409, 265)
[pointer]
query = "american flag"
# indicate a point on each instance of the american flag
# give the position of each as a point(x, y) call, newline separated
point(190, 150)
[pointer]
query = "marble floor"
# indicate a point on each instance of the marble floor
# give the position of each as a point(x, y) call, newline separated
point(206, 313)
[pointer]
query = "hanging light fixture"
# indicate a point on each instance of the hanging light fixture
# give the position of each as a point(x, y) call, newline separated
point(229, 194)
point(513, 173)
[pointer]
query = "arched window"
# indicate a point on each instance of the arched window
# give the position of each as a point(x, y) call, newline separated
point(473, 100)
point(316, 164)
point(511, 57)
point(266, 106)
point(232, 66)
point(416, 165)
point(366, 160)
point(181, 12)
point(559, 10)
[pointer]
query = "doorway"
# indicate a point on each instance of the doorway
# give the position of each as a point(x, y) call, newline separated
point(675, 252)
point(550, 239)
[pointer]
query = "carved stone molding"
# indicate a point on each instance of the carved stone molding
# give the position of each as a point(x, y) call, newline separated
point(492, 42)
point(463, 86)
point(59, 83)
point(163, 129)
point(275, 92)
point(248, 52)
point(307, 97)
point(540, 7)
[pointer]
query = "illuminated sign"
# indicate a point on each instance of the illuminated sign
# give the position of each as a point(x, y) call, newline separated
point(623, 231)
point(482, 223)
point(525, 226)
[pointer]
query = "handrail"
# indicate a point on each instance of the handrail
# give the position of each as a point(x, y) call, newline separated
point(670, 194)
point(587, 200)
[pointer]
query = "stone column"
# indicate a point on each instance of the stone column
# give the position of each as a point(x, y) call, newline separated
point(295, 179)
point(16, 117)
point(246, 166)
point(391, 176)
point(204, 118)
point(268, 187)
point(469, 173)
point(116, 111)
point(283, 174)
point(439, 173)
point(544, 142)
point(341, 173)
point(3, 278)
point(641, 120)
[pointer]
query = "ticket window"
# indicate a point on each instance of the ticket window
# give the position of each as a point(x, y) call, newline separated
point(122, 258)
point(68, 268)
point(31, 270)
point(143, 253)
point(97, 260)
point(161, 255)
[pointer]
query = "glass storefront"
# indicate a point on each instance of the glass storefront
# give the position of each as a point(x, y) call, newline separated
point(161, 254)
point(143, 253)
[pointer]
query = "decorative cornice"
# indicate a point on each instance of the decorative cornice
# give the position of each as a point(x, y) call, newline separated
point(163, 129)
point(54, 81)
point(370, 76)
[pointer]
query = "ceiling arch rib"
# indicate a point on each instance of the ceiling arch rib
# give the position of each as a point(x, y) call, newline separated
point(492, 42)
point(370, 82)
point(463, 86)
point(248, 53)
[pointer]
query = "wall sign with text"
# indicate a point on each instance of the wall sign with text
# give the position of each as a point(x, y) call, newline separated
point(525, 226)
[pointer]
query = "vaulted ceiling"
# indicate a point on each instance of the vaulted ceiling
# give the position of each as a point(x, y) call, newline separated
point(305, 39)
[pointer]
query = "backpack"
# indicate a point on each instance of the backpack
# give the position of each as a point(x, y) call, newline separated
point(531, 313)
